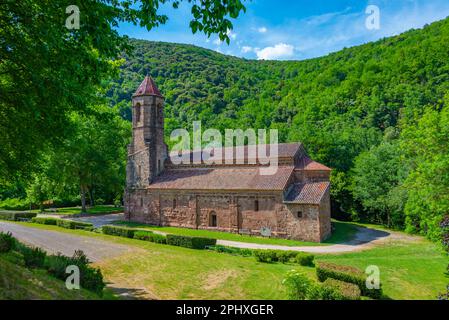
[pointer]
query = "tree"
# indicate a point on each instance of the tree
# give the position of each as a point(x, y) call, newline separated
point(93, 155)
point(47, 70)
point(426, 144)
point(377, 179)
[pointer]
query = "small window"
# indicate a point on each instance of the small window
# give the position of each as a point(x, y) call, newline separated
point(141, 202)
point(158, 166)
point(256, 205)
point(299, 214)
point(174, 203)
point(137, 113)
point(213, 220)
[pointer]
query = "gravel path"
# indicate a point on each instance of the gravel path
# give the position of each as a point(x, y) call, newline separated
point(54, 242)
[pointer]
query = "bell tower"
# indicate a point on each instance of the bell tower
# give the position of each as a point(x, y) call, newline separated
point(147, 152)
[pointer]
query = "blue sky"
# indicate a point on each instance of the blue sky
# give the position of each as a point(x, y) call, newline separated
point(298, 29)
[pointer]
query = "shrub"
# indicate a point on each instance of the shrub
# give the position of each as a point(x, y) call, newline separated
point(33, 257)
point(90, 278)
point(304, 259)
point(285, 256)
point(14, 204)
point(231, 250)
point(342, 290)
point(190, 242)
point(298, 285)
point(150, 236)
point(118, 231)
point(47, 221)
point(349, 274)
point(70, 224)
point(7, 242)
point(16, 215)
point(266, 256)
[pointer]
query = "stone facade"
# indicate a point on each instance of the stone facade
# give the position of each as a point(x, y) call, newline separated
point(293, 204)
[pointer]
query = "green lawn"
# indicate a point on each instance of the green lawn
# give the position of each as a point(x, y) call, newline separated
point(101, 209)
point(343, 232)
point(409, 270)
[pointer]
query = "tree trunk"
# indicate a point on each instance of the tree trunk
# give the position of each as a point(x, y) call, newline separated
point(83, 199)
point(91, 197)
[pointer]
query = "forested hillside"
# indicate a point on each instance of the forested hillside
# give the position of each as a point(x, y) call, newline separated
point(377, 114)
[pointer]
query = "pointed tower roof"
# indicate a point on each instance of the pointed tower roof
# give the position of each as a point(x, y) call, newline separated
point(147, 88)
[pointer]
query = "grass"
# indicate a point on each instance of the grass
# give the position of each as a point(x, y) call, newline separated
point(343, 232)
point(20, 283)
point(100, 209)
point(409, 270)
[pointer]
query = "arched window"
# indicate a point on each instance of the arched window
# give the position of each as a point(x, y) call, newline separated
point(174, 203)
point(256, 205)
point(213, 219)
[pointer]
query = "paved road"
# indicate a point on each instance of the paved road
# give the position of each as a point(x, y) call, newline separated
point(54, 242)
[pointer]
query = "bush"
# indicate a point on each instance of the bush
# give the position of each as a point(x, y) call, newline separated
point(33, 257)
point(70, 224)
point(90, 278)
point(47, 221)
point(285, 256)
point(14, 204)
point(298, 285)
point(304, 259)
point(231, 250)
point(349, 274)
point(266, 256)
point(342, 290)
point(16, 215)
point(7, 242)
point(150, 236)
point(118, 231)
point(190, 242)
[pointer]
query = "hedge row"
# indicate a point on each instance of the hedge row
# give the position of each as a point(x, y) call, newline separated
point(325, 270)
point(150, 236)
point(346, 291)
point(47, 221)
point(269, 256)
point(7, 242)
point(231, 250)
point(118, 231)
point(70, 224)
point(16, 215)
point(190, 242)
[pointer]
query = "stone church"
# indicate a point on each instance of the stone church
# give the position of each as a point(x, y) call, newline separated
point(294, 203)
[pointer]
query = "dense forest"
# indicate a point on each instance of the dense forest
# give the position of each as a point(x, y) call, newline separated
point(378, 114)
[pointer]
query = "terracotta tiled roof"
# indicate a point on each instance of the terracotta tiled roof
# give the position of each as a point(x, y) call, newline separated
point(308, 164)
point(147, 88)
point(307, 193)
point(226, 178)
point(285, 150)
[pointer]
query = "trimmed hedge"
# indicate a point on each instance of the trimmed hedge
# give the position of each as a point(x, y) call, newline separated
point(118, 231)
point(190, 242)
point(7, 242)
point(345, 290)
point(266, 256)
point(47, 221)
point(231, 250)
point(150, 236)
point(16, 215)
point(70, 224)
point(304, 259)
point(325, 270)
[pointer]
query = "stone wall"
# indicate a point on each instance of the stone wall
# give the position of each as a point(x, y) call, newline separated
point(235, 212)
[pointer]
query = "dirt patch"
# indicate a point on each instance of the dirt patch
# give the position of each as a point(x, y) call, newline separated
point(217, 278)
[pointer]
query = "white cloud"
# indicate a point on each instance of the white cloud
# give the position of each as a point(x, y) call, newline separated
point(279, 51)
point(246, 49)
point(262, 30)
point(231, 34)
point(217, 42)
